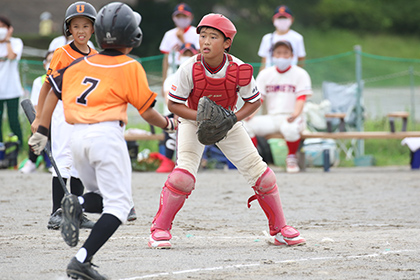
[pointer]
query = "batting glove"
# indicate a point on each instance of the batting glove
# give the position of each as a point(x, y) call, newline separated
point(39, 140)
point(171, 125)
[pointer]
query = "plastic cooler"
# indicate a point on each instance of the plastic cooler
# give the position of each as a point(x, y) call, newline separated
point(279, 151)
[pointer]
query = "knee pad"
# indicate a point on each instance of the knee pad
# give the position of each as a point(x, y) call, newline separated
point(266, 183)
point(180, 181)
point(290, 131)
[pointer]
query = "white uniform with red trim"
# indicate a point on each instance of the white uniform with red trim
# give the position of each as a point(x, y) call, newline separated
point(268, 41)
point(170, 42)
point(280, 90)
point(237, 146)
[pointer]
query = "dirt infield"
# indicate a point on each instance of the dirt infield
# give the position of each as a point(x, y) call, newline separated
point(360, 223)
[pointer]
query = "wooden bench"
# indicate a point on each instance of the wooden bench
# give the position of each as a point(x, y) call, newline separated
point(354, 135)
point(143, 137)
point(393, 115)
point(347, 135)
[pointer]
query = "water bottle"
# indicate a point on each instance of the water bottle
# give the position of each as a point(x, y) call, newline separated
point(143, 155)
point(2, 155)
point(326, 154)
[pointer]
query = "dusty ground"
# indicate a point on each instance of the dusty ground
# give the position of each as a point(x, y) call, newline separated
point(360, 223)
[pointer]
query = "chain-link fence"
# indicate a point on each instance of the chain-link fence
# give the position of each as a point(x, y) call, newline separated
point(389, 84)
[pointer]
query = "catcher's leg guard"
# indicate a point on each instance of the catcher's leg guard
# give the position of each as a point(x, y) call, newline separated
point(179, 185)
point(268, 196)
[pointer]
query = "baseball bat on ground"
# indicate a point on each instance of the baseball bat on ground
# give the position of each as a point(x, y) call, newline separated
point(30, 112)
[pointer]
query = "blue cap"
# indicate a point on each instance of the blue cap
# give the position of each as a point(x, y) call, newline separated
point(182, 8)
point(282, 11)
point(188, 47)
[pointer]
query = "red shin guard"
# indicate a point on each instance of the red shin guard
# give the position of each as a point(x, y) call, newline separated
point(267, 194)
point(179, 185)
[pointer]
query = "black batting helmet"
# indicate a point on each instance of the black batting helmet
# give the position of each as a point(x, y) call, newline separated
point(78, 9)
point(117, 26)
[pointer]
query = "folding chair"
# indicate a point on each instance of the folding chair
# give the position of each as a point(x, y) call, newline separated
point(343, 116)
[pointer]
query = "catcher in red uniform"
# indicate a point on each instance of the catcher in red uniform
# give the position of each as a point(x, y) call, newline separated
point(216, 75)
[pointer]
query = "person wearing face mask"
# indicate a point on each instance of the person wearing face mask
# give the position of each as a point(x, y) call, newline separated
point(30, 164)
point(173, 39)
point(168, 144)
point(10, 86)
point(284, 88)
point(282, 21)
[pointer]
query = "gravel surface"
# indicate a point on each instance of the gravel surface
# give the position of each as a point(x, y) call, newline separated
point(360, 223)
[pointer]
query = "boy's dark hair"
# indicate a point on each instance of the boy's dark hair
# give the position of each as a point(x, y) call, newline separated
point(6, 21)
point(201, 27)
point(283, 43)
point(47, 54)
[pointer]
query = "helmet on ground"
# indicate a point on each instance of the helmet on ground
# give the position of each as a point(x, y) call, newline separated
point(219, 22)
point(78, 9)
point(117, 26)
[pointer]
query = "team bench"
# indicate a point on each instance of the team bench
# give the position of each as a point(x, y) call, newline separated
point(354, 135)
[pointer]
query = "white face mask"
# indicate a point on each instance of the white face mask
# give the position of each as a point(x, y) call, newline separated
point(3, 33)
point(282, 24)
point(282, 63)
point(182, 22)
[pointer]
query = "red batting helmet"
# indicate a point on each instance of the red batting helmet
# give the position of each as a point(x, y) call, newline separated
point(219, 22)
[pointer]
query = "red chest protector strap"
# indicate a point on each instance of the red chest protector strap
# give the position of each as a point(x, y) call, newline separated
point(223, 91)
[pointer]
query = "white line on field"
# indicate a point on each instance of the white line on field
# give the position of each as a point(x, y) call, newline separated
point(226, 267)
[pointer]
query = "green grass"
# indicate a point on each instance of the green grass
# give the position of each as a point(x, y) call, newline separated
point(386, 152)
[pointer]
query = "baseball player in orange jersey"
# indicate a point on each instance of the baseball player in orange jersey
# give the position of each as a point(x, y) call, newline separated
point(95, 91)
point(221, 77)
point(78, 22)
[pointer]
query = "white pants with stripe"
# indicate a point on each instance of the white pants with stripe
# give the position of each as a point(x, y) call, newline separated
point(101, 157)
point(269, 124)
point(237, 147)
point(60, 143)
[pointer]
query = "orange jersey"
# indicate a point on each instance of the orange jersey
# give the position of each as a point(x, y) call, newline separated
point(65, 55)
point(97, 88)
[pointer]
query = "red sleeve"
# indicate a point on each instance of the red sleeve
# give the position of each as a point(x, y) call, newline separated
point(302, 97)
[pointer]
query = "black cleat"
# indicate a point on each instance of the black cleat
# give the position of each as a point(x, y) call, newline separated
point(86, 223)
point(78, 270)
point(132, 215)
point(72, 215)
point(55, 219)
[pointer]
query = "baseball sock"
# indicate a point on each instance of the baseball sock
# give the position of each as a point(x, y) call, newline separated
point(293, 147)
point(104, 228)
point(93, 203)
point(76, 186)
point(57, 193)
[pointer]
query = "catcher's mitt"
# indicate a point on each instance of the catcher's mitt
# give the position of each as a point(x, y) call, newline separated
point(213, 120)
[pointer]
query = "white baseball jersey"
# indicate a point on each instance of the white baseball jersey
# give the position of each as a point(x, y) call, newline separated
point(36, 88)
point(280, 90)
point(171, 42)
point(268, 41)
point(183, 81)
point(10, 86)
